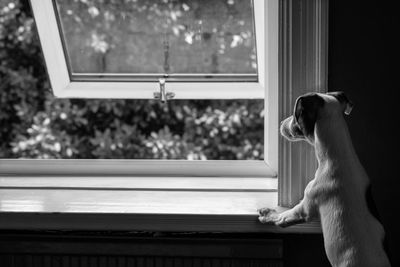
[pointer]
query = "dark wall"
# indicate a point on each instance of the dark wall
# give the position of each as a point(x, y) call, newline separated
point(363, 62)
point(111, 249)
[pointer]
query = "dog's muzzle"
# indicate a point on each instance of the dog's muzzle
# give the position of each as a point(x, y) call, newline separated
point(291, 130)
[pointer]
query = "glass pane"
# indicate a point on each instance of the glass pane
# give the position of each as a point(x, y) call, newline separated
point(33, 124)
point(159, 36)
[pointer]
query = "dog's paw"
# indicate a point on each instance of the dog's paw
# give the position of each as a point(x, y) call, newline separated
point(268, 216)
point(264, 211)
point(282, 221)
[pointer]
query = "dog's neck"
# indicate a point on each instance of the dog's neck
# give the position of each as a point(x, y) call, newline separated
point(332, 140)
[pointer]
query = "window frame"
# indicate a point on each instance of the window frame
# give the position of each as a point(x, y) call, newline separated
point(300, 41)
point(303, 41)
point(64, 86)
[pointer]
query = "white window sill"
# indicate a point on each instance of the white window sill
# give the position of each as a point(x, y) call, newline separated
point(200, 204)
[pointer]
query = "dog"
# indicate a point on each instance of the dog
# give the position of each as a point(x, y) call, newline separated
point(340, 193)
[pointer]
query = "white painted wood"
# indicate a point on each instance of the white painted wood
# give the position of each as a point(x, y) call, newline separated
point(50, 40)
point(304, 54)
point(134, 201)
point(271, 122)
point(137, 210)
point(145, 90)
point(157, 168)
point(260, 17)
point(142, 183)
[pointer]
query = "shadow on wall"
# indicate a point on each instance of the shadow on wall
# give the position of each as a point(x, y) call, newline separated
point(362, 51)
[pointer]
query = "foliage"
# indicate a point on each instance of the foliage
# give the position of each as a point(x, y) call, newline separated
point(199, 36)
point(35, 125)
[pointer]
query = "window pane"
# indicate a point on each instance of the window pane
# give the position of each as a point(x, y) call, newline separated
point(159, 37)
point(33, 124)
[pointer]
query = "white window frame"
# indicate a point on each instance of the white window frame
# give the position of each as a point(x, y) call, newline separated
point(303, 68)
point(266, 88)
point(300, 41)
point(64, 87)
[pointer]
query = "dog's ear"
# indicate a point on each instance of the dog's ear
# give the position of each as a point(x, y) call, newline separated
point(306, 112)
point(346, 104)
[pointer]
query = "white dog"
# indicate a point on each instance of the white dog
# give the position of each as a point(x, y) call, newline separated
point(340, 192)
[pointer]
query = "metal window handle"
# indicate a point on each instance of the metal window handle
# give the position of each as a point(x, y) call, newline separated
point(163, 95)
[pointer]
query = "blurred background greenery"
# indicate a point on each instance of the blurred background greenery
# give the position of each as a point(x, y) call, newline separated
point(159, 36)
point(33, 124)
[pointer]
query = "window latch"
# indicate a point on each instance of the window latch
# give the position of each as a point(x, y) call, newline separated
point(163, 95)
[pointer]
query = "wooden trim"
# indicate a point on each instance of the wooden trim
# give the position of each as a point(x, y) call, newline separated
point(216, 184)
point(145, 90)
point(260, 18)
point(303, 68)
point(49, 35)
point(137, 168)
point(172, 77)
point(147, 222)
point(271, 123)
point(138, 210)
point(134, 201)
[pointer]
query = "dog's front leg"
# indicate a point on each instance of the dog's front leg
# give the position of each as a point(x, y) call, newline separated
point(287, 218)
point(302, 212)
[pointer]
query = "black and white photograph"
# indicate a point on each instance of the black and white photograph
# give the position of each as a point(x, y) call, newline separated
point(198, 133)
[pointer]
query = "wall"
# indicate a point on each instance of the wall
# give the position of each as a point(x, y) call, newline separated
point(362, 50)
point(61, 248)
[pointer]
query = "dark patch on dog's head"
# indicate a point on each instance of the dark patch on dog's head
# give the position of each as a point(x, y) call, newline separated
point(306, 112)
point(346, 104)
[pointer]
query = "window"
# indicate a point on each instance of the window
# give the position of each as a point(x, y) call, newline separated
point(137, 45)
point(148, 40)
point(287, 44)
point(103, 53)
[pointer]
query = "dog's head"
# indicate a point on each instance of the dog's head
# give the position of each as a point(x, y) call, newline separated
point(308, 109)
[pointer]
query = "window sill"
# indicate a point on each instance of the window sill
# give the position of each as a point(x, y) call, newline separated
point(139, 204)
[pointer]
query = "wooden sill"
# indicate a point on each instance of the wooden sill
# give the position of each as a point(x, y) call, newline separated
point(139, 204)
